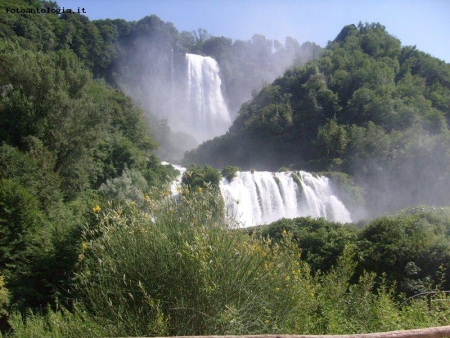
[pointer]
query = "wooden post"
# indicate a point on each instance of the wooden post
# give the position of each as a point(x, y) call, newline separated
point(432, 332)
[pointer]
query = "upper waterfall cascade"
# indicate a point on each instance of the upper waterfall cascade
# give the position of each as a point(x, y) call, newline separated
point(208, 114)
point(260, 197)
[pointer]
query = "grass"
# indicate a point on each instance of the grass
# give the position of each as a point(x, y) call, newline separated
point(175, 268)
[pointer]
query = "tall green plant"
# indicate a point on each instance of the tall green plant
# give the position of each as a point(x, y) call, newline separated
point(173, 268)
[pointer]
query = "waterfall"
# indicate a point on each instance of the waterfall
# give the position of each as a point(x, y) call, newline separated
point(259, 197)
point(207, 115)
point(253, 198)
point(175, 185)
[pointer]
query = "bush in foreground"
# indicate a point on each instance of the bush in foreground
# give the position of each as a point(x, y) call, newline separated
point(174, 268)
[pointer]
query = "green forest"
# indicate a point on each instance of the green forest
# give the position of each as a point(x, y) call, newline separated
point(93, 245)
point(367, 107)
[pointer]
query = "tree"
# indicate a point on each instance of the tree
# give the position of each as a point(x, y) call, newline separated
point(333, 137)
point(197, 177)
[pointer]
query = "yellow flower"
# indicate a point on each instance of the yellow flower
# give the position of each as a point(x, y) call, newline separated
point(96, 208)
point(266, 321)
point(277, 289)
point(84, 246)
point(147, 198)
point(200, 189)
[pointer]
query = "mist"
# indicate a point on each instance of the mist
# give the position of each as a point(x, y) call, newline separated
point(191, 84)
point(414, 174)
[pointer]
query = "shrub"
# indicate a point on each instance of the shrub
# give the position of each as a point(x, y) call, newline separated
point(175, 269)
point(321, 242)
point(184, 273)
point(410, 249)
point(4, 296)
point(59, 323)
point(196, 177)
point(130, 186)
point(20, 235)
point(229, 172)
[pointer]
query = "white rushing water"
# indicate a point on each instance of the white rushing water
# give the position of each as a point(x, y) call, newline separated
point(259, 197)
point(175, 186)
point(208, 114)
point(264, 197)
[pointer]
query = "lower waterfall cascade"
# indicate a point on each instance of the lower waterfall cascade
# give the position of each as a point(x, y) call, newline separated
point(259, 197)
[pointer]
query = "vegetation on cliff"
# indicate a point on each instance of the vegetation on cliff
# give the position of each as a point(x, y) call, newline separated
point(367, 106)
point(92, 244)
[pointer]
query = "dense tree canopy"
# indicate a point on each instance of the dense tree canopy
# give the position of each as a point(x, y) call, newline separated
point(409, 249)
point(81, 189)
point(367, 106)
point(63, 133)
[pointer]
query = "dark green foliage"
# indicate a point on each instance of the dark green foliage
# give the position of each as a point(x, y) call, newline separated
point(56, 323)
point(39, 261)
point(61, 135)
point(29, 31)
point(4, 296)
point(55, 108)
point(321, 242)
point(354, 109)
point(229, 172)
point(197, 177)
point(333, 139)
point(89, 139)
point(20, 218)
point(201, 279)
point(39, 248)
point(409, 251)
point(157, 174)
point(68, 141)
point(33, 169)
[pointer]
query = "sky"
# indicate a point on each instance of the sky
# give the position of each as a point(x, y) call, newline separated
point(424, 23)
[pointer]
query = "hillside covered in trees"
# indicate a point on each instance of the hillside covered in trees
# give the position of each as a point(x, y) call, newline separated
point(71, 140)
point(144, 58)
point(63, 135)
point(92, 244)
point(367, 107)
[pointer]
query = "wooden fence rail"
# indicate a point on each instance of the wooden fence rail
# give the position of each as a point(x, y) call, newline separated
point(432, 332)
